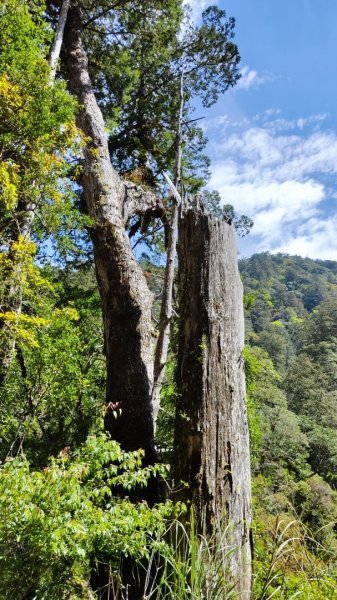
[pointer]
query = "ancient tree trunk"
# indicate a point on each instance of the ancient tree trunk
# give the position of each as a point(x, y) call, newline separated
point(126, 300)
point(212, 445)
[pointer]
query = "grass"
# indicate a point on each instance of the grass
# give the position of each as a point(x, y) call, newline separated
point(186, 565)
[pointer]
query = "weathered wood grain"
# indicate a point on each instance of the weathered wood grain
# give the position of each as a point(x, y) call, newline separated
point(212, 442)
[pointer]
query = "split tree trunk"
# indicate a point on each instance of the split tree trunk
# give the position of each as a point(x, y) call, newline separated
point(212, 444)
point(126, 299)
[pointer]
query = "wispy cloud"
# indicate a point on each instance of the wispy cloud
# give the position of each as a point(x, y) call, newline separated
point(299, 123)
point(250, 79)
point(281, 174)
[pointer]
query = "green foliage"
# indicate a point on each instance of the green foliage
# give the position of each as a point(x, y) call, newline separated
point(290, 369)
point(38, 146)
point(252, 368)
point(285, 568)
point(166, 417)
point(242, 224)
point(63, 517)
point(54, 389)
point(58, 523)
point(37, 130)
point(282, 445)
point(139, 78)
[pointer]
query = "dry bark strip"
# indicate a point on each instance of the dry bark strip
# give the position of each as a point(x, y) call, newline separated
point(212, 444)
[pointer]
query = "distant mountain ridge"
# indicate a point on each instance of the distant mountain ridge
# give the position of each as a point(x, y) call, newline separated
point(292, 281)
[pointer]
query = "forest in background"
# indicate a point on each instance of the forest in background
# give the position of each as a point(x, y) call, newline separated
point(291, 356)
point(69, 495)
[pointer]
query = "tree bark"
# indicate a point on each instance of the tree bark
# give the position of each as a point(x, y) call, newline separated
point(211, 437)
point(126, 299)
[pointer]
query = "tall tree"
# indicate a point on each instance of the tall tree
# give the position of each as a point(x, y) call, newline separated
point(200, 61)
point(194, 68)
point(152, 79)
point(126, 299)
point(166, 311)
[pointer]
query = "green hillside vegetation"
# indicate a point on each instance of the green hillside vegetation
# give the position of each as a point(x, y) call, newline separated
point(291, 359)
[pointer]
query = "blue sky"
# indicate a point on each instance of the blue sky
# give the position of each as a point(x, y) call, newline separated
point(273, 139)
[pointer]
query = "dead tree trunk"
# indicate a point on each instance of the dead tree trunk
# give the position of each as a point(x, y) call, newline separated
point(126, 299)
point(211, 438)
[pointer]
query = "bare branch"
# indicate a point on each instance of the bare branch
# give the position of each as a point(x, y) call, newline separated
point(166, 311)
point(58, 39)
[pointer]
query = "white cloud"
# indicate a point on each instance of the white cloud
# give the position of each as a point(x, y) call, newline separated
point(271, 112)
point(250, 78)
point(283, 179)
point(223, 121)
point(300, 123)
point(316, 238)
point(215, 122)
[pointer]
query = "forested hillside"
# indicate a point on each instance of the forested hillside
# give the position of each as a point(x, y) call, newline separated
point(291, 357)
